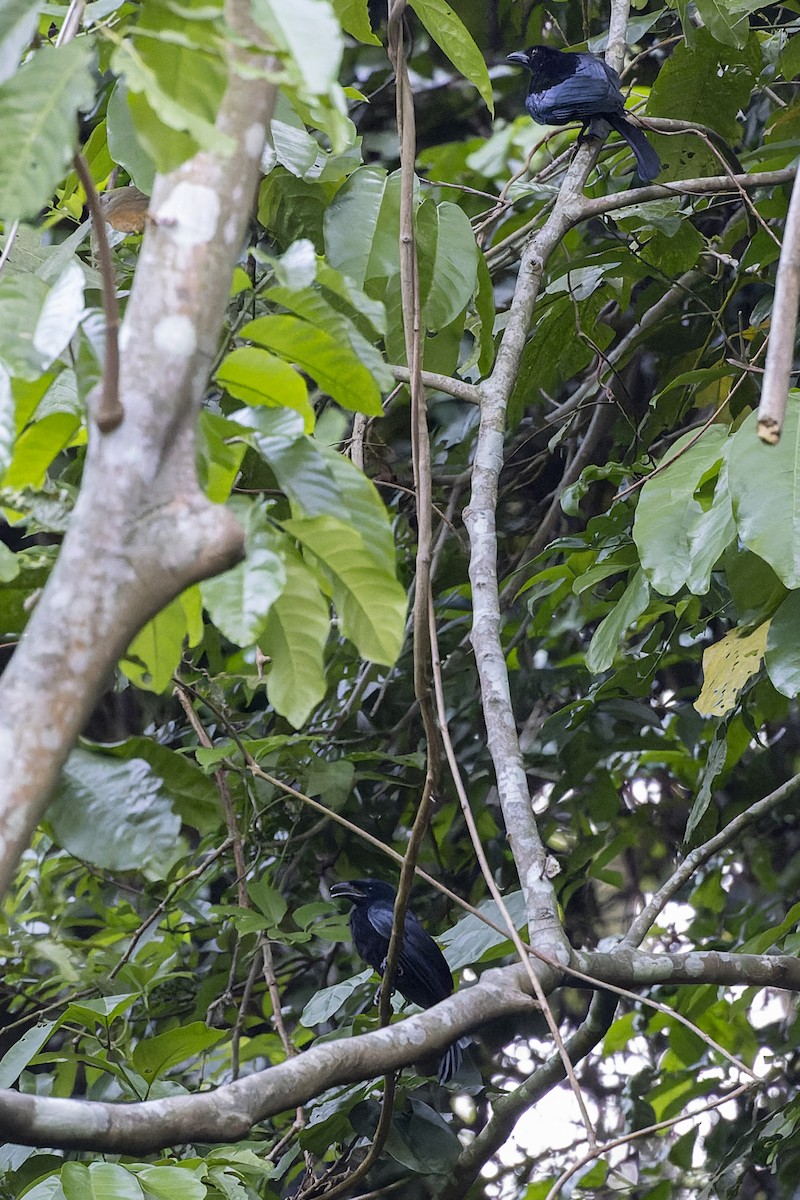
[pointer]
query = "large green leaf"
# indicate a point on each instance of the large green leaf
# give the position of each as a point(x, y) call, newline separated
point(311, 305)
point(220, 451)
point(727, 20)
point(470, 940)
point(709, 83)
point(369, 600)
point(607, 638)
point(171, 125)
point(18, 21)
point(153, 1056)
point(114, 814)
point(763, 482)
point(7, 421)
point(17, 1057)
point(258, 377)
point(36, 448)
point(452, 36)
point(154, 654)
point(329, 1000)
point(782, 658)
point(297, 461)
point(320, 481)
point(239, 600)
point(362, 226)
point(38, 132)
point(171, 1183)
point(353, 17)
point(297, 628)
point(309, 33)
point(330, 362)
point(448, 262)
point(99, 1181)
point(671, 523)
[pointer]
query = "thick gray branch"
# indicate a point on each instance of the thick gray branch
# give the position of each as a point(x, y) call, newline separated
point(142, 530)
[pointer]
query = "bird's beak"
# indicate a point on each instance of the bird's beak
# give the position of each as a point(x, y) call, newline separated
point(519, 57)
point(347, 890)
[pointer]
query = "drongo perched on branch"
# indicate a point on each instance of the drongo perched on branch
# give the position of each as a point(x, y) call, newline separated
point(422, 974)
point(568, 87)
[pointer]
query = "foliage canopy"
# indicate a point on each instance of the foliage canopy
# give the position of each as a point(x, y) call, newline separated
point(169, 929)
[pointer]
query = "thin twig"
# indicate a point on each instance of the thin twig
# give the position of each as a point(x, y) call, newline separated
point(108, 411)
point(635, 1134)
point(164, 904)
point(641, 925)
point(221, 780)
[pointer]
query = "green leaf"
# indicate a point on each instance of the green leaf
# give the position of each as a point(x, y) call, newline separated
point(422, 1140)
point(99, 1181)
point(48, 1189)
point(38, 131)
point(7, 430)
point(239, 600)
point(257, 377)
point(155, 653)
point(172, 1183)
point(768, 517)
point(311, 305)
point(298, 462)
point(484, 307)
point(782, 659)
point(309, 33)
point(22, 298)
point(18, 21)
point(362, 226)
point(708, 83)
point(331, 363)
point(172, 123)
point(714, 765)
point(452, 36)
point(153, 1056)
point(123, 144)
point(369, 600)
point(329, 1000)
point(671, 524)
point(727, 20)
point(267, 900)
point(16, 1059)
point(220, 451)
point(102, 1011)
point(113, 814)
point(294, 638)
point(356, 301)
point(36, 448)
point(470, 940)
point(448, 262)
point(353, 16)
point(609, 634)
point(9, 564)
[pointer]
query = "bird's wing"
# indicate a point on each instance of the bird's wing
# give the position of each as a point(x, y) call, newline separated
point(593, 89)
point(423, 975)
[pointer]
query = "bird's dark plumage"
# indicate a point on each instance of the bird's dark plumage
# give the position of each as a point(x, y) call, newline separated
point(422, 974)
point(566, 86)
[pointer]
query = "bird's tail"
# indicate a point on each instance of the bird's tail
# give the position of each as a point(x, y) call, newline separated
point(450, 1062)
point(648, 163)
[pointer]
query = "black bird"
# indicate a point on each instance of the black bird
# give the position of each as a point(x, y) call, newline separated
point(422, 974)
point(566, 86)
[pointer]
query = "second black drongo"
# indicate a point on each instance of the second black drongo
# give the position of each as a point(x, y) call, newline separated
point(422, 974)
point(567, 86)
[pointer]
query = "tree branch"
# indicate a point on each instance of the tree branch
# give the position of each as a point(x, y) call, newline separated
point(142, 530)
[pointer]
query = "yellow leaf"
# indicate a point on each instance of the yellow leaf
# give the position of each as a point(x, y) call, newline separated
point(727, 666)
